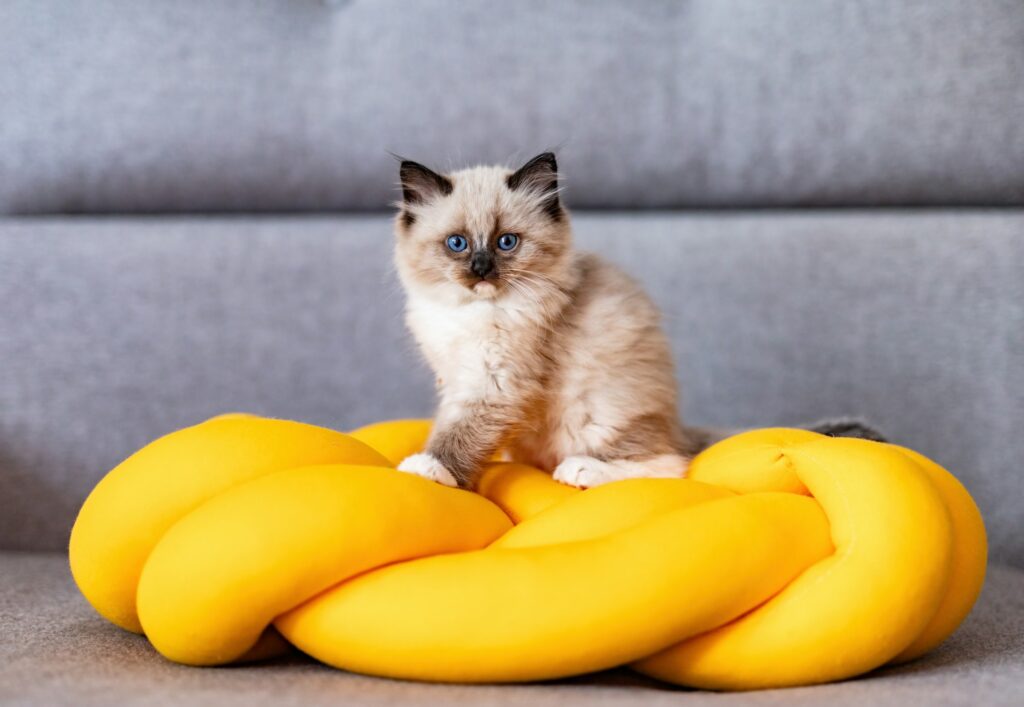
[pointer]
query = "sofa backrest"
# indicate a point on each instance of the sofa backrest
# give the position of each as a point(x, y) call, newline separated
point(114, 331)
point(282, 105)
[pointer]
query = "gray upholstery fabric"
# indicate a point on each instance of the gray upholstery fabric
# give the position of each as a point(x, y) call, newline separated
point(134, 105)
point(115, 331)
point(56, 650)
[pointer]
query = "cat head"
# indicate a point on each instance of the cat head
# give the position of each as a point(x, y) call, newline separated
point(483, 232)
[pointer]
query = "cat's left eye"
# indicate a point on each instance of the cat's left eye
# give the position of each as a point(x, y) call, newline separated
point(507, 241)
point(456, 243)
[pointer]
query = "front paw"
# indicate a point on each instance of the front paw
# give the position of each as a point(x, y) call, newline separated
point(584, 472)
point(427, 466)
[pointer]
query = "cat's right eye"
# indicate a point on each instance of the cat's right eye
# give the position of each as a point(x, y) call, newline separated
point(457, 243)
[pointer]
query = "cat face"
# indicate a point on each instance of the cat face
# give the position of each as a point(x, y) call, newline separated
point(484, 232)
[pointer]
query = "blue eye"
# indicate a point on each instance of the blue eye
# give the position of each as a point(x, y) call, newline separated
point(507, 241)
point(456, 243)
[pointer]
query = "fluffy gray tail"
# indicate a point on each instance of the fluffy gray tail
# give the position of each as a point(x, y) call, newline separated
point(700, 438)
point(848, 427)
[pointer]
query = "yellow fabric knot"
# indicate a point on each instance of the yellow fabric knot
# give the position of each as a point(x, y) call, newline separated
point(786, 558)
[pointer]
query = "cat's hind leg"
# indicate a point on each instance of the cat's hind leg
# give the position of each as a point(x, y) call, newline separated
point(587, 472)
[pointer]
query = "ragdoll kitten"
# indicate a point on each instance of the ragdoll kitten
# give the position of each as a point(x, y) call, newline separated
point(550, 355)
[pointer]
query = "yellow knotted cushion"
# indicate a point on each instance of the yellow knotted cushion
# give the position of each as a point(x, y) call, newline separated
point(785, 558)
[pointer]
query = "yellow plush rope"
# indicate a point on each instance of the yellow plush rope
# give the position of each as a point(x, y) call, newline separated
point(786, 558)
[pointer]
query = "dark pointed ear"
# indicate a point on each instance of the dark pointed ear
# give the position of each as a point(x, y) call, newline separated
point(420, 184)
point(539, 175)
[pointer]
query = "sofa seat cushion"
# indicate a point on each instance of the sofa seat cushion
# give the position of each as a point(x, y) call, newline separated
point(57, 650)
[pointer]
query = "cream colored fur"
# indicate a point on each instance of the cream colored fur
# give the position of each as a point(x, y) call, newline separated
point(558, 358)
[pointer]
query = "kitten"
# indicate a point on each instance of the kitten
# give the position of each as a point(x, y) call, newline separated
point(551, 355)
point(548, 354)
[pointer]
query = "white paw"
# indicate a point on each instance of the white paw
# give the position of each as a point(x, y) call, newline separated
point(586, 472)
point(427, 466)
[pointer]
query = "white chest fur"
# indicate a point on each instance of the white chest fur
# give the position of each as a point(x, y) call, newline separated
point(473, 347)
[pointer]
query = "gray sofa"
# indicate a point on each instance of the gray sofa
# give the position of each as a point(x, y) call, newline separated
point(826, 198)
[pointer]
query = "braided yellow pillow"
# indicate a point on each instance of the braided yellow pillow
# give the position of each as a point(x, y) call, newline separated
point(785, 558)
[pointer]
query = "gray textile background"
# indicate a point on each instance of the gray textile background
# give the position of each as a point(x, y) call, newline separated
point(57, 651)
point(115, 331)
point(253, 105)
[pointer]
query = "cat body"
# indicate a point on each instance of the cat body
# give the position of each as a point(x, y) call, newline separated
point(551, 355)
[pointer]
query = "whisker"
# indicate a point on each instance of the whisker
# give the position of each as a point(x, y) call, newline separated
point(530, 273)
point(526, 275)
